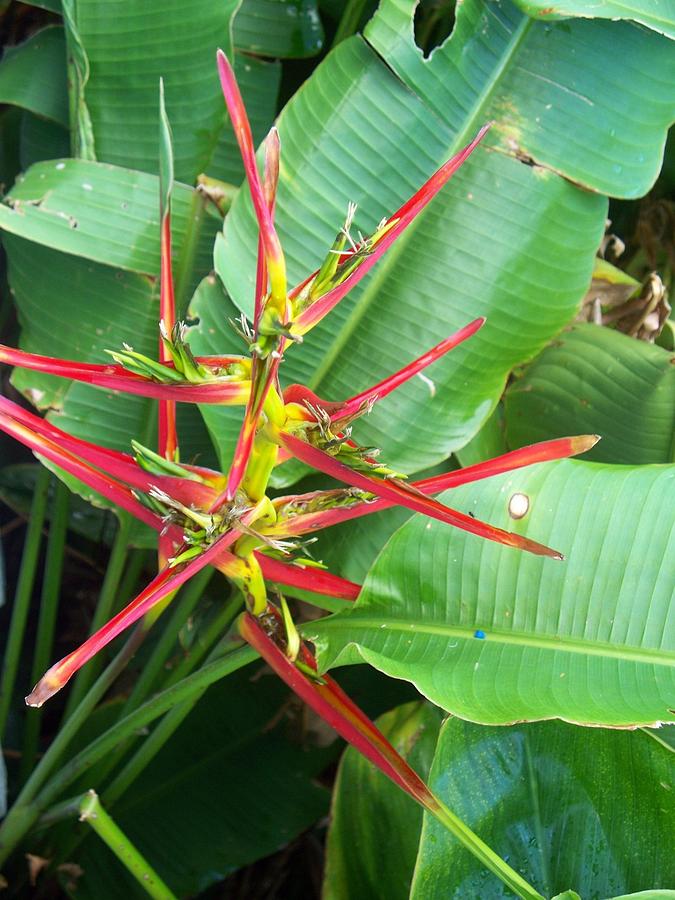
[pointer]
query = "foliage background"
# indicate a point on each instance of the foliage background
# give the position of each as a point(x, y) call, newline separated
point(369, 101)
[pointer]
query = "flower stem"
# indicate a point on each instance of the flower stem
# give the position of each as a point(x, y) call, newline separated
point(188, 599)
point(24, 811)
point(44, 641)
point(482, 852)
point(109, 591)
point(92, 812)
point(30, 804)
point(24, 591)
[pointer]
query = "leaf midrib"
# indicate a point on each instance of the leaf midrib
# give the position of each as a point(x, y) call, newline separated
point(472, 123)
point(584, 647)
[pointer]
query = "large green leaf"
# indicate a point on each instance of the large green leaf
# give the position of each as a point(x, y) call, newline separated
point(129, 45)
point(41, 139)
point(537, 801)
point(101, 212)
point(496, 635)
point(530, 793)
point(33, 75)
point(490, 243)
point(542, 86)
point(279, 28)
point(376, 146)
point(660, 15)
point(595, 380)
point(375, 827)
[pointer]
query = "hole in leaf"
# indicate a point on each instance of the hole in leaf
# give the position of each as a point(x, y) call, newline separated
point(433, 23)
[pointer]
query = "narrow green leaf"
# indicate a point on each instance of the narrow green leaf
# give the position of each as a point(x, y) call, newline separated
point(165, 156)
point(81, 131)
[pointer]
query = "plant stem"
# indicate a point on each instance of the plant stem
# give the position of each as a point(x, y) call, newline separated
point(190, 662)
point(109, 591)
point(28, 807)
point(349, 21)
point(44, 641)
point(171, 721)
point(145, 714)
point(188, 599)
point(482, 852)
point(93, 813)
point(24, 591)
point(23, 813)
point(136, 560)
point(215, 629)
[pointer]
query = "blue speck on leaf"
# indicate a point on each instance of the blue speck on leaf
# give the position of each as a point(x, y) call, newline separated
point(479, 634)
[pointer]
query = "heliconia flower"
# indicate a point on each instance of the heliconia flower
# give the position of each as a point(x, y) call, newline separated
point(226, 520)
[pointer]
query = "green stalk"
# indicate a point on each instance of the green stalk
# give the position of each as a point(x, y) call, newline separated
point(187, 600)
point(349, 21)
point(150, 747)
point(44, 641)
point(112, 759)
point(24, 591)
point(109, 592)
point(215, 629)
point(136, 560)
point(28, 807)
point(171, 721)
point(482, 852)
point(93, 813)
point(23, 813)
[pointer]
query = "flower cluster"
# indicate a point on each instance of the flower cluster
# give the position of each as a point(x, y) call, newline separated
point(228, 520)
